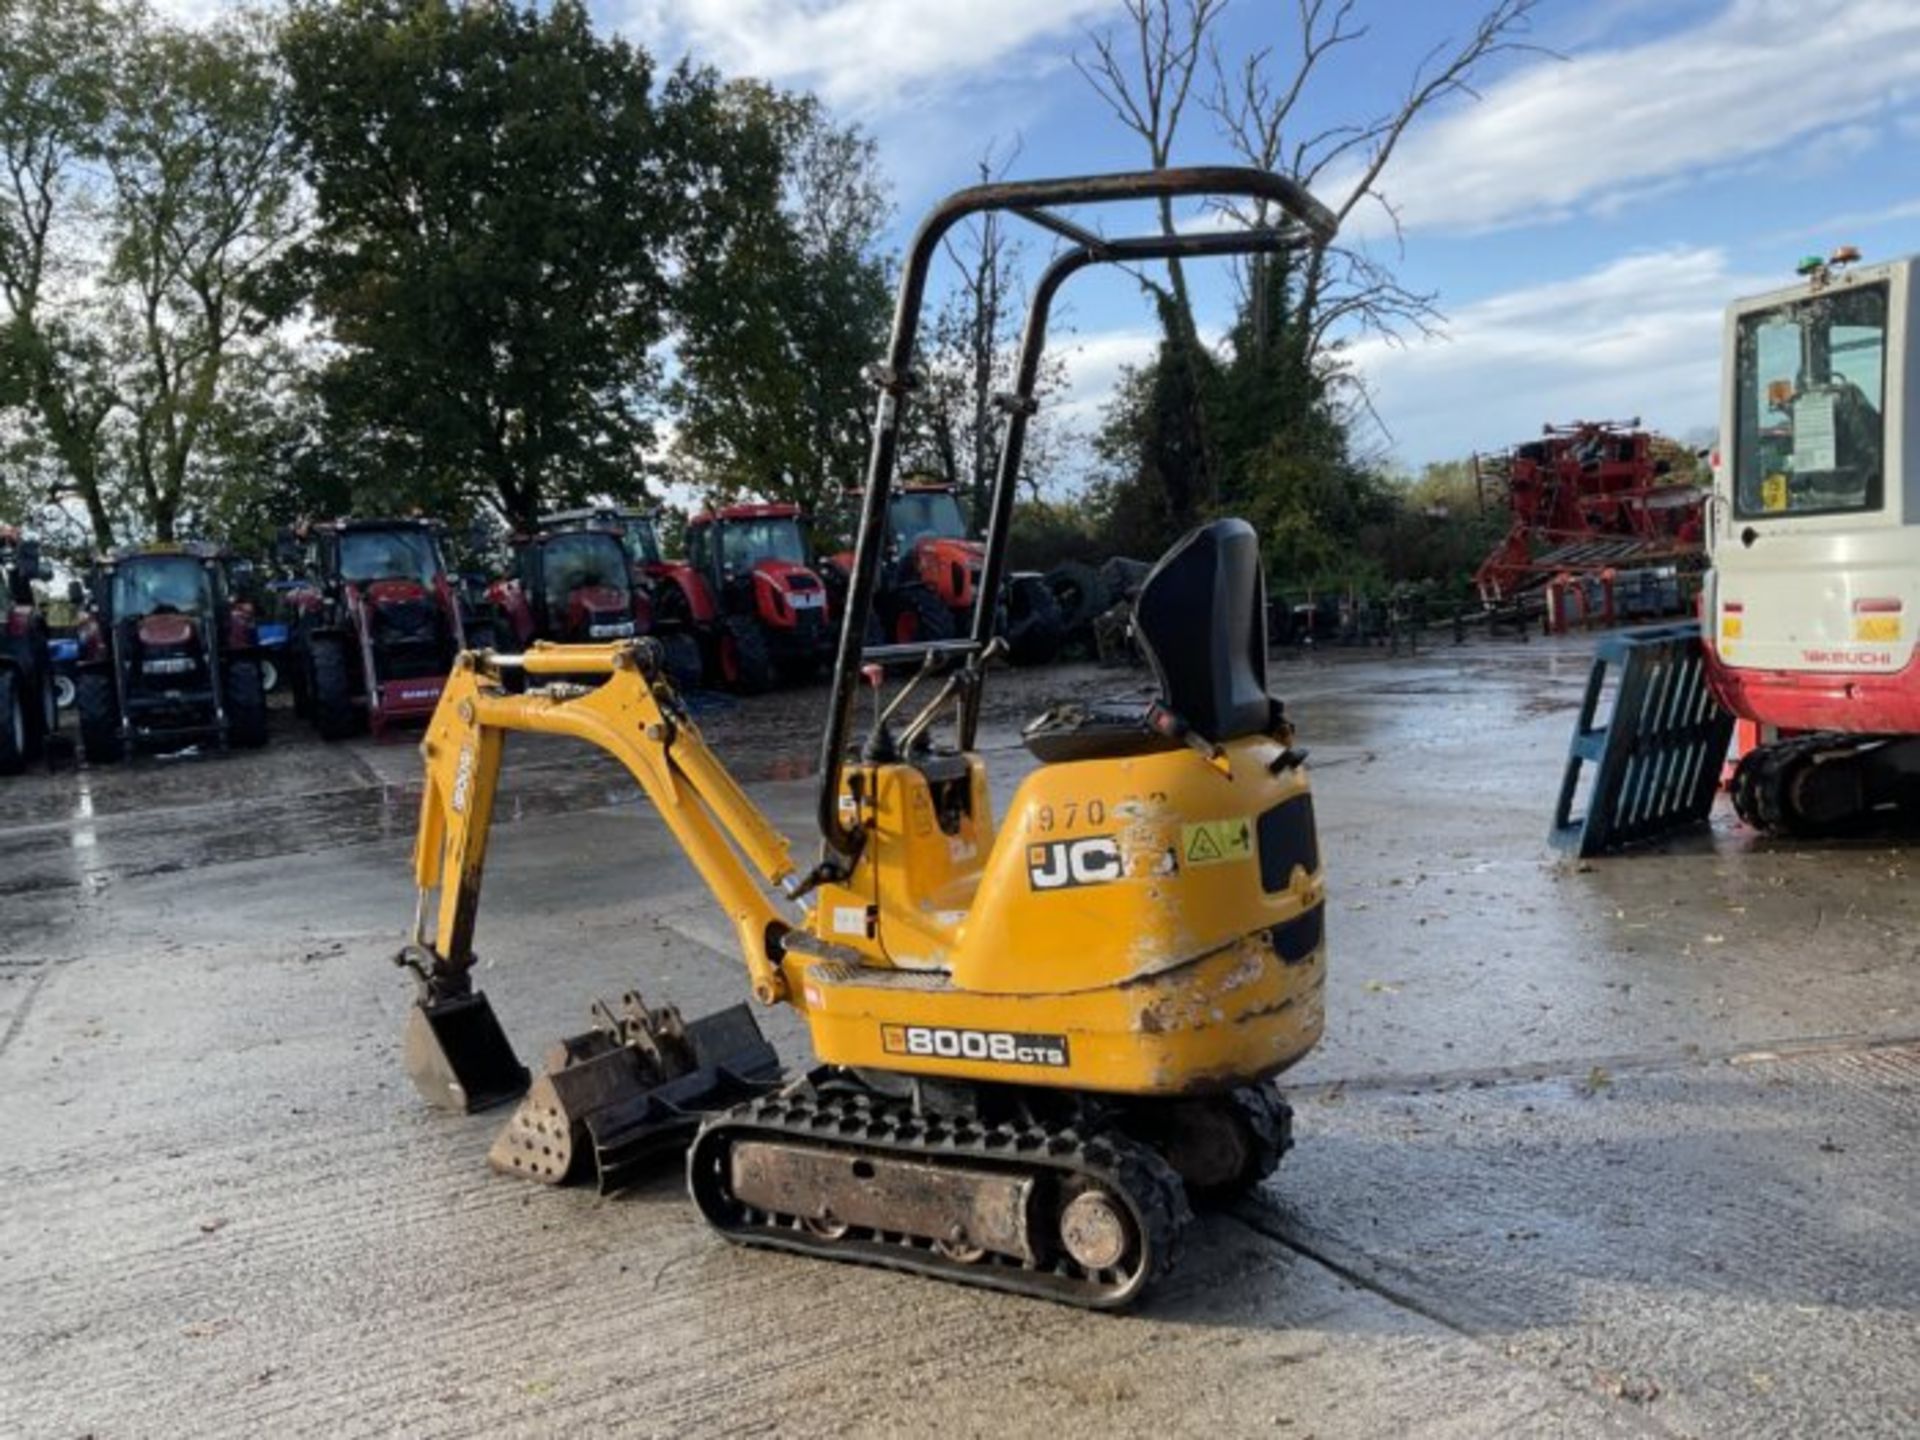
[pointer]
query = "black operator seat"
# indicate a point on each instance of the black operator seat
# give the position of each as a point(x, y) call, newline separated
point(1201, 619)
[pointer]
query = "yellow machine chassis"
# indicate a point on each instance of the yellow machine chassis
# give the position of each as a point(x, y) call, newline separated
point(1114, 934)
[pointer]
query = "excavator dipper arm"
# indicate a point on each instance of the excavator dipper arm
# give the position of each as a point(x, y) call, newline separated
point(718, 828)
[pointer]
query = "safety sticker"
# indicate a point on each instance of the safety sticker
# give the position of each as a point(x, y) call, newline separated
point(1872, 628)
point(1216, 842)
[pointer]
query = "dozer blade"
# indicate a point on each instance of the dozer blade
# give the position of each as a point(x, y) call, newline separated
point(620, 1098)
point(458, 1057)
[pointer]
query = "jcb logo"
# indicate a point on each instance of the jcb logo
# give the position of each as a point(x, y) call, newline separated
point(1062, 864)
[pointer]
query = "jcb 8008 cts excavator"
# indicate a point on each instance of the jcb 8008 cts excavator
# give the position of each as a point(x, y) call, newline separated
point(1037, 1039)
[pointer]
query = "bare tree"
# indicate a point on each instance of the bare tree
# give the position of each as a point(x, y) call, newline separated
point(971, 354)
point(1148, 89)
point(1254, 100)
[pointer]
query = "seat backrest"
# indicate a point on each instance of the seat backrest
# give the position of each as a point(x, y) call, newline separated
point(1201, 618)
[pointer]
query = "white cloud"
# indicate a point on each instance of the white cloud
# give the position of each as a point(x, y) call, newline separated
point(1844, 227)
point(1756, 78)
point(858, 54)
point(1638, 336)
point(1093, 366)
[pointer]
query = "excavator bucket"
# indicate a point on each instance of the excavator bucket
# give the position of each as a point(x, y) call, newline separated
point(630, 1092)
point(458, 1056)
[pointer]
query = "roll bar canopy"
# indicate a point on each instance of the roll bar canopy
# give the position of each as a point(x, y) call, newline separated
point(1307, 224)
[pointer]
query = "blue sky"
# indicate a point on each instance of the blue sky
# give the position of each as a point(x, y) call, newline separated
point(1583, 222)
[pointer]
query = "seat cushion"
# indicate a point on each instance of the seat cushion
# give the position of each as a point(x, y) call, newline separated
point(1097, 730)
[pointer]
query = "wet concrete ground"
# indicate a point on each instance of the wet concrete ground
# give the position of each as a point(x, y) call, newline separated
point(1623, 1148)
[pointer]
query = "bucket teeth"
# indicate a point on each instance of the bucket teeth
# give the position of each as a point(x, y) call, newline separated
point(631, 1092)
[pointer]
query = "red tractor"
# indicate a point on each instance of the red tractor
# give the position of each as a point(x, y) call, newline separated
point(28, 715)
point(930, 576)
point(377, 621)
point(167, 655)
point(747, 591)
point(578, 586)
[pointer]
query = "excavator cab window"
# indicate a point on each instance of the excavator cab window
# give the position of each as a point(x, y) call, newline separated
point(1811, 382)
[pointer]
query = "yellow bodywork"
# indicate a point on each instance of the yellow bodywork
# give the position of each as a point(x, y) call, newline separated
point(1114, 934)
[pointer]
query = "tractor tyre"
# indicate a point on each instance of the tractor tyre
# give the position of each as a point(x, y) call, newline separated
point(1079, 595)
point(99, 711)
point(680, 654)
point(246, 704)
point(1034, 630)
point(13, 724)
point(746, 664)
point(921, 617)
point(334, 714)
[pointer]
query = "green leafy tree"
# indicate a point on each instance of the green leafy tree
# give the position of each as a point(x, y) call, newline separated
point(150, 195)
point(501, 195)
point(780, 316)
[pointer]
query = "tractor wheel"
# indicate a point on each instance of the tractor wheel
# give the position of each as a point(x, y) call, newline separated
point(334, 713)
point(921, 618)
point(1034, 632)
point(746, 664)
point(681, 654)
point(43, 719)
point(1080, 595)
point(13, 724)
point(99, 711)
point(246, 704)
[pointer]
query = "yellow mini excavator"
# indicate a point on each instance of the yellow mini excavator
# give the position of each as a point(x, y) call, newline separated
point(1038, 1040)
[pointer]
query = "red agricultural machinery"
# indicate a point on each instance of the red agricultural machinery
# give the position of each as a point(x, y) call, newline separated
point(377, 621)
point(28, 714)
point(577, 585)
point(749, 594)
point(1592, 503)
point(167, 655)
point(929, 580)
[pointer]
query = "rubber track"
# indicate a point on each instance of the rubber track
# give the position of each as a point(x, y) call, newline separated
point(860, 1122)
point(1760, 783)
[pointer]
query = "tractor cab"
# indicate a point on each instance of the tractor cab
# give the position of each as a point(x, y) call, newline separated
point(377, 623)
point(769, 606)
point(575, 585)
point(633, 528)
point(166, 654)
point(1811, 607)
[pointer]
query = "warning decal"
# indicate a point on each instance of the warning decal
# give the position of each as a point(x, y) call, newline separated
point(1216, 842)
